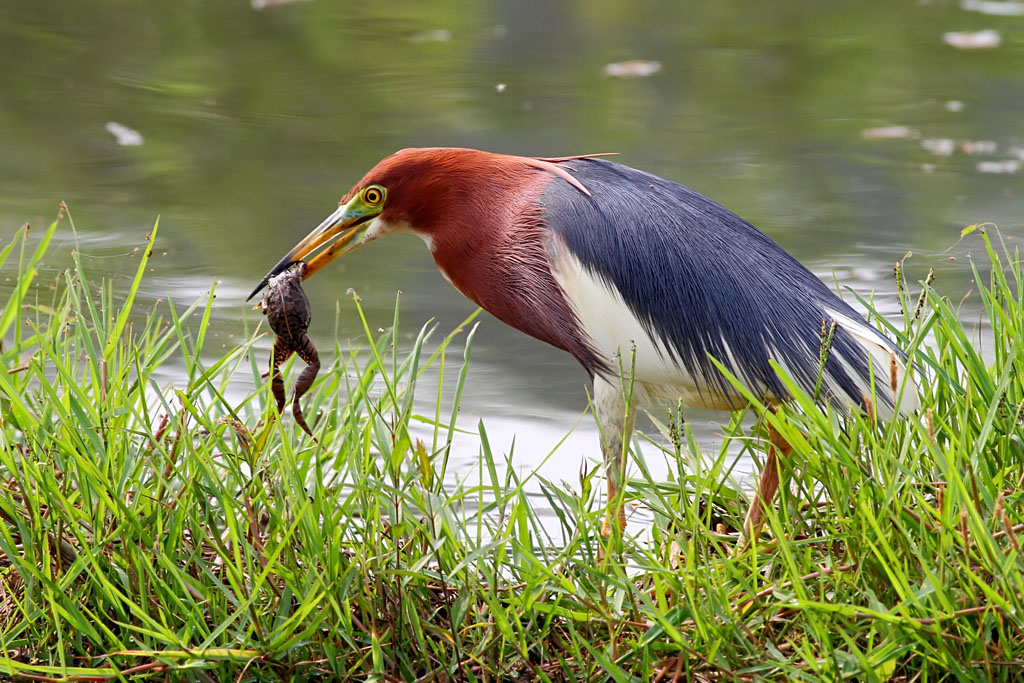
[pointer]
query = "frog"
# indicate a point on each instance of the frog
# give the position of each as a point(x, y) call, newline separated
point(288, 313)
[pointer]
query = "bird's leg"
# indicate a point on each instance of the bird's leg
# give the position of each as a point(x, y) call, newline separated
point(616, 417)
point(767, 485)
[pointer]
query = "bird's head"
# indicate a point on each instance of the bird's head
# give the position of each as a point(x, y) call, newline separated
point(407, 191)
point(359, 219)
point(422, 191)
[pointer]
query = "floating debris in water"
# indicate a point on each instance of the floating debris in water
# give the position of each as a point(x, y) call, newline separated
point(262, 4)
point(954, 105)
point(978, 147)
point(634, 68)
point(1004, 166)
point(500, 87)
point(973, 40)
point(889, 133)
point(436, 36)
point(126, 137)
point(945, 147)
point(942, 147)
point(996, 8)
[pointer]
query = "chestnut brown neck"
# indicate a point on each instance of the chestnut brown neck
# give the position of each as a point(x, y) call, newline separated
point(481, 214)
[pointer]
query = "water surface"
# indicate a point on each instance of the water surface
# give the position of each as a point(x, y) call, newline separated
point(851, 132)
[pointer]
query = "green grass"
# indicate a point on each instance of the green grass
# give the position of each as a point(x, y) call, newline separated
point(169, 532)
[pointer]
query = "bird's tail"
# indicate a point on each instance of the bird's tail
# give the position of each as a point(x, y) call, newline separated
point(888, 388)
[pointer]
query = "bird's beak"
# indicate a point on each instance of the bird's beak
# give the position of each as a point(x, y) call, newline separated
point(340, 233)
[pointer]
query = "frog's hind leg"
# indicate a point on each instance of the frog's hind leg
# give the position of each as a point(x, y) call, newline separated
point(307, 352)
point(278, 356)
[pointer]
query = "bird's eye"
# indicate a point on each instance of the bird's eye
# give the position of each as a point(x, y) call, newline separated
point(373, 195)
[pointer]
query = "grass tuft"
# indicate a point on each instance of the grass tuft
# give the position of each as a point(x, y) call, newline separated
point(155, 531)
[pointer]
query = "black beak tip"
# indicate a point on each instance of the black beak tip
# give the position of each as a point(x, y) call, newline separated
point(261, 285)
point(281, 266)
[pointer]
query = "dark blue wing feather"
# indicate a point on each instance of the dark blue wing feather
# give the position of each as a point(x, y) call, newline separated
point(702, 281)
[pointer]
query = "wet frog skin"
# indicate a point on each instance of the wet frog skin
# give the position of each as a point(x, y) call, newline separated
point(287, 309)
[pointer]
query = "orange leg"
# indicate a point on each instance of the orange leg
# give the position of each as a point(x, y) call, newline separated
point(767, 485)
point(614, 461)
point(615, 509)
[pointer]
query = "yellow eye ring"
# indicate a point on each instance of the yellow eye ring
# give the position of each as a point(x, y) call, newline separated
point(373, 195)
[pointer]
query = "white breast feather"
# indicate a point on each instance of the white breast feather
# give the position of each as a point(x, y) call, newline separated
point(613, 329)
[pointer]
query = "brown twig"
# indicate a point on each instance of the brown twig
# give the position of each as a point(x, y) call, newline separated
point(151, 667)
point(765, 592)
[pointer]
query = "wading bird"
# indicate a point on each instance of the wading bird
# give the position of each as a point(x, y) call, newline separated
point(630, 273)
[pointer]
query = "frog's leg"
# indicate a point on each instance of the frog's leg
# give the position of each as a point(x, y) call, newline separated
point(278, 356)
point(307, 352)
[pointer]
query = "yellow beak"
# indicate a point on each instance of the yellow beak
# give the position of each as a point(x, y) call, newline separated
point(332, 238)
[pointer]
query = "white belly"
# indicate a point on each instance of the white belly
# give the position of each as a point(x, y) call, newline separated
point(616, 333)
